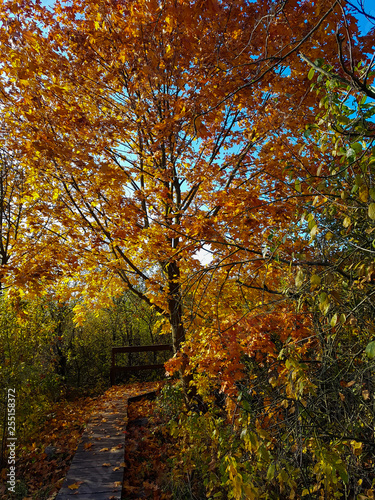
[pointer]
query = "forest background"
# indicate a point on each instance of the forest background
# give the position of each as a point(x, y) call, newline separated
point(136, 134)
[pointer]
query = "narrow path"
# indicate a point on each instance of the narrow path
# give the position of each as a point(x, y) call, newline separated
point(97, 469)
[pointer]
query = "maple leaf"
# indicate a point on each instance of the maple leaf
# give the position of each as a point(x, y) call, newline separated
point(75, 486)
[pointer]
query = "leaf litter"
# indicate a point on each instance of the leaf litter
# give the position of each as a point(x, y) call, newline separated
point(45, 456)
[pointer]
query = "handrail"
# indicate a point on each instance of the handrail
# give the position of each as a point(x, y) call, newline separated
point(141, 348)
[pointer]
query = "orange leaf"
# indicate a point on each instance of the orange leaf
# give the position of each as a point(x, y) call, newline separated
point(75, 486)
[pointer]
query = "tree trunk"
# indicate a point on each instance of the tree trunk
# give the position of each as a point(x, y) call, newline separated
point(177, 327)
point(175, 306)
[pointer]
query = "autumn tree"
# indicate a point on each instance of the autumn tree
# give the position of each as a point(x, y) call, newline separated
point(11, 189)
point(149, 128)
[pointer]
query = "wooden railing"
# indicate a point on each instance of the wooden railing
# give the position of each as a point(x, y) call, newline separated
point(115, 370)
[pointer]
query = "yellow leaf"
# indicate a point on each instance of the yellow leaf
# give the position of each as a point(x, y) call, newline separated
point(371, 211)
point(334, 320)
point(347, 221)
point(314, 232)
point(74, 486)
point(315, 280)
point(299, 279)
point(169, 23)
point(365, 394)
point(363, 193)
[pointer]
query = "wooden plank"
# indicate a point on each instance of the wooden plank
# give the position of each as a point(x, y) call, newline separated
point(143, 348)
point(96, 470)
point(125, 369)
point(113, 495)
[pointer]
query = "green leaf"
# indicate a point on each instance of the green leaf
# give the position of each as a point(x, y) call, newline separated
point(357, 147)
point(370, 350)
point(307, 133)
point(350, 153)
point(334, 320)
point(299, 278)
point(271, 472)
point(343, 473)
point(315, 280)
point(311, 74)
point(371, 211)
point(311, 224)
point(325, 307)
point(358, 180)
point(324, 303)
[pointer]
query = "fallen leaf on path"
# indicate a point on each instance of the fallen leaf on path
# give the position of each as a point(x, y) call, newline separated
point(75, 486)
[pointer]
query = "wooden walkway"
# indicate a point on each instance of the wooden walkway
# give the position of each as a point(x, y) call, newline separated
point(97, 469)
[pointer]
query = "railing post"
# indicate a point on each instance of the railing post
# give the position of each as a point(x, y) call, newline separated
point(113, 371)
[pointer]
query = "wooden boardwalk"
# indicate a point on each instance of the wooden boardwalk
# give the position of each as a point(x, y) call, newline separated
point(97, 469)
